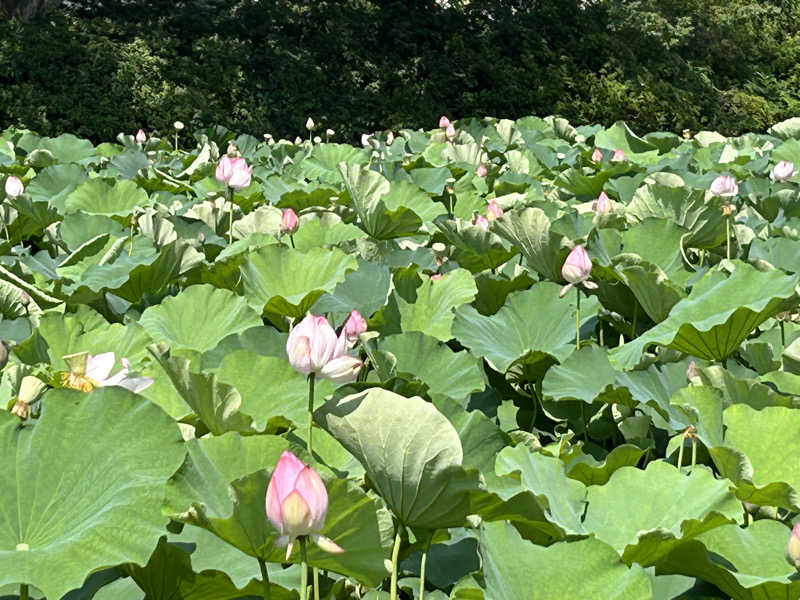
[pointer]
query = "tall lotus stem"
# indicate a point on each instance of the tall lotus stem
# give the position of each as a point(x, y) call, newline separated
point(728, 236)
point(133, 229)
point(316, 583)
point(310, 413)
point(578, 320)
point(265, 579)
point(303, 569)
point(680, 453)
point(422, 569)
point(23, 591)
point(230, 215)
point(395, 554)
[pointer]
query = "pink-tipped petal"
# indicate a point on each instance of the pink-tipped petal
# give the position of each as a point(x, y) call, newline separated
point(327, 544)
point(98, 366)
point(310, 487)
point(342, 370)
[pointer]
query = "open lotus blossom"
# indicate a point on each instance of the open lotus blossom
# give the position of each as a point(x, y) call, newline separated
point(494, 211)
point(444, 122)
point(482, 222)
point(141, 137)
point(602, 204)
point(312, 347)
point(234, 172)
point(724, 185)
point(90, 371)
point(783, 171)
point(619, 155)
point(792, 551)
point(14, 186)
point(354, 327)
point(289, 222)
point(576, 269)
point(450, 132)
point(481, 170)
point(297, 504)
point(597, 156)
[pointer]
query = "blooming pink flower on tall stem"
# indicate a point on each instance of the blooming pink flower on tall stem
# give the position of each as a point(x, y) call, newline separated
point(289, 222)
point(597, 156)
point(297, 504)
point(602, 204)
point(783, 171)
point(312, 347)
point(14, 186)
point(724, 186)
point(619, 155)
point(234, 172)
point(494, 211)
point(444, 122)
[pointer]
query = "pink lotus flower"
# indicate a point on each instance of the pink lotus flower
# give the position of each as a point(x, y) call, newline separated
point(353, 327)
point(724, 185)
point(494, 211)
point(783, 171)
point(289, 222)
point(297, 504)
point(602, 204)
point(450, 132)
point(444, 122)
point(436, 277)
point(482, 222)
point(578, 265)
point(792, 551)
point(234, 172)
point(481, 170)
point(691, 370)
point(141, 137)
point(14, 187)
point(597, 156)
point(619, 155)
point(89, 371)
point(313, 347)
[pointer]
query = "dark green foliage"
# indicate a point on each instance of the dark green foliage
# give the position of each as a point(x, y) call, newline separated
point(96, 69)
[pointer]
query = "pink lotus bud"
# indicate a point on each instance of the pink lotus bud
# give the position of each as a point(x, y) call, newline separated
point(354, 326)
point(597, 156)
point(792, 551)
point(234, 172)
point(602, 204)
point(481, 170)
point(724, 185)
point(619, 155)
point(783, 171)
point(311, 344)
point(578, 265)
point(289, 223)
point(482, 222)
point(494, 211)
point(141, 137)
point(444, 122)
point(297, 504)
point(14, 187)
point(691, 370)
point(450, 132)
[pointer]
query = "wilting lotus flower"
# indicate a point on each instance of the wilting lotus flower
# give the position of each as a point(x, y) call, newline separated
point(597, 156)
point(444, 122)
point(481, 170)
point(783, 171)
point(141, 137)
point(619, 155)
point(297, 504)
point(602, 204)
point(313, 347)
point(494, 211)
point(450, 132)
point(234, 172)
point(792, 551)
point(14, 187)
point(289, 222)
point(482, 222)
point(89, 371)
point(353, 327)
point(724, 185)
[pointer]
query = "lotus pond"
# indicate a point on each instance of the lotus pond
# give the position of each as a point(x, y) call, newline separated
point(528, 360)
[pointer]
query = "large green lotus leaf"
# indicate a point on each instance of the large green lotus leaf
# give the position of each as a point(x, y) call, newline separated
point(474, 248)
point(569, 380)
point(54, 183)
point(650, 286)
point(365, 290)
point(718, 315)
point(658, 242)
point(147, 280)
point(100, 197)
point(52, 539)
point(515, 568)
point(529, 231)
point(563, 499)
point(746, 564)
point(780, 252)
point(326, 231)
point(323, 162)
point(432, 312)
point(739, 390)
point(411, 453)
point(619, 136)
point(590, 471)
point(702, 407)
point(580, 184)
point(447, 374)
point(789, 128)
point(407, 194)
point(262, 340)
point(198, 318)
point(365, 188)
point(534, 320)
point(287, 282)
point(677, 507)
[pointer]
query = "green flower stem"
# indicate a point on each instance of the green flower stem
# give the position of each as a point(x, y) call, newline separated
point(310, 413)
point(265, 579)
point(422, 568)
point(694, 453)
point(783, 339)
point(176, 141)
point(600, 323)
point(680, 453)
point(395, 554)
point(23, 591)
point(316, 583)
point(133, 228)
point(578, 320)
point(728, 235)
point(291, 239)
point(303, 569)
point(230, 216)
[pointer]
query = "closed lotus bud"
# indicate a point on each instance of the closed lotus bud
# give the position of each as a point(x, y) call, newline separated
point(310, 124)
point(354, 326)
point(297, 504)
point(329, 132)
point(311, 344)
point(783, 171)
point(450, 132)
point(481, 170)
point(578, 265)
point(234, 172)
point(365, 139)
point(619, 155)
point(389, 138)
point(494, 211)
point(14, 187)
point(141, 137)
point(289, 222)
point(444, 122)
point(597, 156)
point(482, 222)
point(178, 125)
point(724, 185)
point(317, 139)
point(602, 204)
point(792, 551)
point(298, 140)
